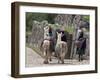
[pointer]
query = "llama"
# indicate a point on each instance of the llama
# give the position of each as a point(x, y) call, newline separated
point(61, 48)
point(46, 46)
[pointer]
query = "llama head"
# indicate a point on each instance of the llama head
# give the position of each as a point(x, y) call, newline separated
point(59, 35)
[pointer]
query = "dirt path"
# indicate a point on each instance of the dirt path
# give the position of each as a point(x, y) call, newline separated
point(34, 59)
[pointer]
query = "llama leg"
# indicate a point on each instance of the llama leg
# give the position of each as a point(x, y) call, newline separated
point(49, 56)
point(44, 53)
point(46, 59)
point(58, 57)
point(62, 58)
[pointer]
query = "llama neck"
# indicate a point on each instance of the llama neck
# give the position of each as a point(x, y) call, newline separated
point(58, 40)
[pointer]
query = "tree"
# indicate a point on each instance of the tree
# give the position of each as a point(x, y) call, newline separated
point(30, 17)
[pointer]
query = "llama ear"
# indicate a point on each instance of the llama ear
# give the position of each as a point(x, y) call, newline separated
point(61, 33)
point(57, 33)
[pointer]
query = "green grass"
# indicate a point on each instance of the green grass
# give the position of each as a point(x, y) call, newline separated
point(28, 33)
point(69, 30)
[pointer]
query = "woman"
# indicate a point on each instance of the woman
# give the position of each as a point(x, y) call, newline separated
point(50, 32)
point(81, 45)
point(51, 39)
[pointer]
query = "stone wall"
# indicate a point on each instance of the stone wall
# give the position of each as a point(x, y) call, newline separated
point(36, 36)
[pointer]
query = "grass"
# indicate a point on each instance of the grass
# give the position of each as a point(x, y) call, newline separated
point(28, 33)
point(69, 30)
